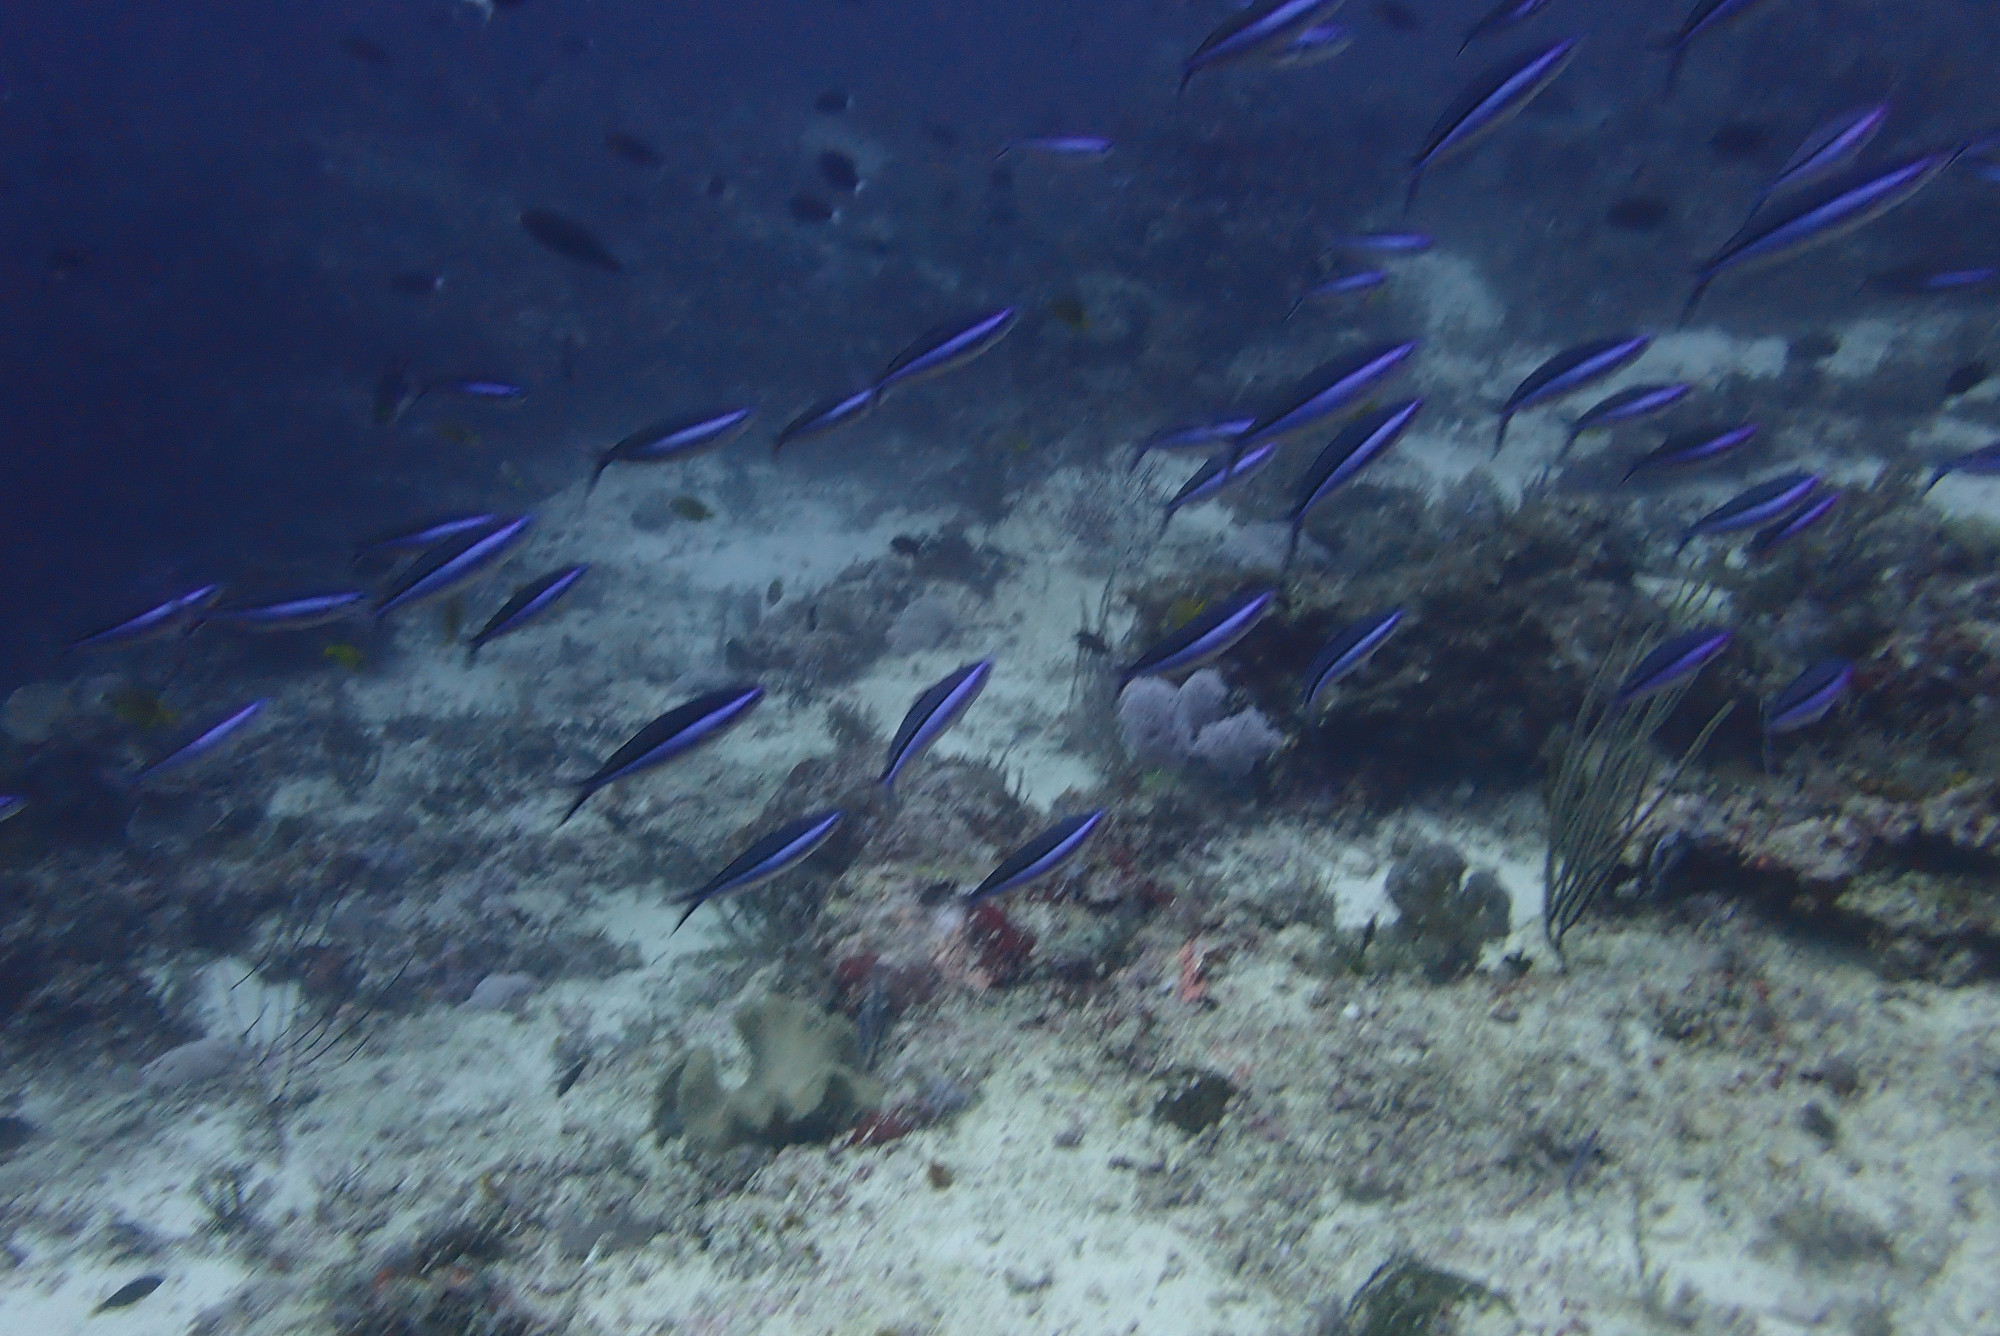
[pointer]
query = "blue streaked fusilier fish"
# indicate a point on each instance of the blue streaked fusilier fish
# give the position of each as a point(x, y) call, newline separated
point(11, 805)
point(1039, 856)
point(1203, 435)
point(176, 614)
point(937, 709)
point(1983, 463)
point(766, 858)
point(946, 348)
point(1323, 392)
point(474, 387)
point(678, 438)
point(1791, 526)
point(1346, 653)
point(1207, 635)
point(1387, 243)
point(1566, 373)
point(1807, 698)
point(1321, 41)
point(411, 538)
point(1834, 213)
point(288, 614)
point(1255, 35)
point(528, 602)
point(1693, 447)
point(450, 564)
point(1921, 281)
point(1490, 102)
point(1755, 506)
point(1832, 145)
point(1058, 146)
point(1217, 476)
point(679, 730)
point(203, 743)
point(1503, 16)
point(1628, 405)
point(1341, 285)
point(1680, 657)
point(1706, 15)
point(1359, 444)
point(825, 416)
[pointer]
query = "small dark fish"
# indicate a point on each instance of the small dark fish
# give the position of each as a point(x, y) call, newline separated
point(1058, 146)
point(569, 239)
point(1359, 443)
point(1205, 636)
point(450, 564)
point(525, 604)
point(1791, 526)
point(1039, 856)
point(1387, 243)
point(130, 1293)
point(1706, 15)
point(1983, 462)
point(1566, 373)
point(1627, 405)
point(291, 614)
point(1487, 104)
point(679, 730)
point(1254, 35)
point(1507, 14)
point(1343, 285)
point(417, 283)
point(1396, 16)
point(806, 207)
point(570, 1076)
point(176, 614)
point(1735, 140)
point(11, 805)
point(478, 388)
point(937, 709)
point(1216, 476)
point(1966, 379)
point(1693, 447)
point(1637, 213)
point(1680, 657)
point(832, 102)
point(203, 743)
point(826, 415)
point(1322, 41)
point(946, 348)
point(395, 392)
point(765, 859)
point(1758, 505)
point(424, 535)
point(1807, 698)
point(1831, 146)
point(676, 438)
point(366, 50)
point(1817, 221)
point(839, 172)
point(633, 150)
point(1346, 653)
point(1202, 435)
point(1324, 392)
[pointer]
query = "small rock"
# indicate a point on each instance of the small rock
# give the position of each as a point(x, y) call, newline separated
point(1504, 1011)
point(1025, 1279)
point(1069, 1137)
point(939, 1176)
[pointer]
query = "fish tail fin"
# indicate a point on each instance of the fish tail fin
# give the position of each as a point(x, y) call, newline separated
point(1694, 299)
point(1681, 546)
point(1165, 520)
point(1292, 544)
point(1410, 193)
point(1569, 442)
point(1936, 478)
point(1500, 432)
point(1187, 75)
point(1674, 68)
point(472, 652)
point(582, 797)
point(686, 914)
point(603, 463)
point(1295, 308)
point(1464, 44)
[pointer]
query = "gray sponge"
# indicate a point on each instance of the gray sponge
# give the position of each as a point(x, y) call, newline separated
point(805, 1083)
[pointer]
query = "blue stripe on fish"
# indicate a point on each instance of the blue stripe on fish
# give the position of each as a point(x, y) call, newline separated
point(1832, 145)
point(1039, 856)
point(450, 564)
point(678, 438)
point(825, 415)
point(1807, 697)
point(1693, 447)
point(1324, 391)
point(1193, 436)
point(291, 614)
point(1678, 658)
point(1757, 505)
point(937, 709)
point(1345, 285)
point(203, 743)
point(766, 858)
point(1507, 14)
point(525, 604)
point(176, 614)
point(1207, 635)
point(1487, 104)
point(1791, 526)
point(1346, 653)
point(1254, 34)
point(1983, 462)
point(1566, 373)
point(679, 730)
point(1216, 476)
point(1706, 15)
point(945, 349)
point(1628, 405)
point(11, 805)
point(1360, 443)
point(1058, 146)
point(425, 535)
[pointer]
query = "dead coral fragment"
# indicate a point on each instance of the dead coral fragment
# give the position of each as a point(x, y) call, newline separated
point(805, 1083)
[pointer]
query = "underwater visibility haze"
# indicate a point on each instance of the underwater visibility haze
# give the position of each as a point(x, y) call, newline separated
point(1135, 666)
